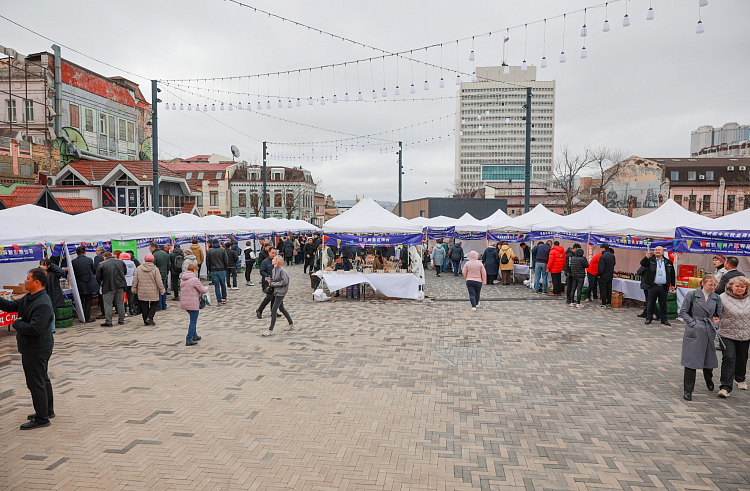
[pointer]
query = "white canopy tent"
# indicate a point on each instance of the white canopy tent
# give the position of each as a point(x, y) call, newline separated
point(498, 216)
point(468, 223)
point(662, 222)
point(582, 222)
point(739, 221)
point(36, 224)
point(119, 226)
point(368, 217)
point(525, 222)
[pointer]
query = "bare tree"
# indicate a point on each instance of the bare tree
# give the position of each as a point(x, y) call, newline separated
point(567, 167)
point(603, 162)
point(463, 188)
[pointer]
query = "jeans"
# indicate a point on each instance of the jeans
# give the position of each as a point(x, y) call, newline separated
point(592, 286)
point(232, 275)
point(278, 304)
point(733, 362)
point(219, 279)
point(654, 293)
point(37, 380)
point(456, 267)
point(540, 270)
point(605, 291)
point(556, 283)
point(115, 296)
point(657, 312)
point(193, 323)
point(689, 378)
point(575, 288)
point(475, 288)
point(162, 305)
point(148, 309)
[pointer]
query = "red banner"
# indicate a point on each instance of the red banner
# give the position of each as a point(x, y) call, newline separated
point(7, 318)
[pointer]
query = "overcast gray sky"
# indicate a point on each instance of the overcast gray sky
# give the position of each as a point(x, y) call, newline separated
point(642, 88)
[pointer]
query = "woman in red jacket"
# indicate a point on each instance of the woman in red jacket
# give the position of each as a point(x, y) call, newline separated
point(555, 265)
point(592, 273)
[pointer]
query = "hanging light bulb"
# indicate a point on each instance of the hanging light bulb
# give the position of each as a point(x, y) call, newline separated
point(702, 3)
point(359, 97)
point(625, 21)
point(268, 104)
point(289, 104)
point(440, 139)
point(544, 62)
point(506, 70)
point(221, 108)
point(167, 107)
point(335, 99)
point(479, 116)
point(412, 89)
point(507, 120)
point(231, 107)
point(173, 107)
point(322, 101)
point(562, 57)
point(181, 106)
point(346, 97)
point(461, 133)
point(426, 85)
point(487, 112)
point(310, 101)
point(385, 92)
point(239, 106)
point(458, 79)
point(381, 151)
point(433, 140)
point(606, 26)
point(374, 94)
point(258, 107)
point(584, 53)
point(397, 91)
point(449, 136)
point(699, 28)
point(480, 127)
point(584, 31)
point(280, 104)
point(442, 83)
point(471, 55)
point(213, 106)
point(190, 107)
point(454, 131)
point(524, 67)
point(473, 76)
point(205, 108)
point(650, 14)
point(299, 103)
point(346, 149)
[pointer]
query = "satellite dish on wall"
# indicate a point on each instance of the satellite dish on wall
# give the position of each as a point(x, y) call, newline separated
point(235, 152)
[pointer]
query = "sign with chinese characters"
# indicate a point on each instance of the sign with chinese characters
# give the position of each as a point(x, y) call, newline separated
point(372, 240)
point(636, 243)
point(17, 254)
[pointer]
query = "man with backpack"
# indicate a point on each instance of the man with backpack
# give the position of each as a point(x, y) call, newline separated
point(176, 258)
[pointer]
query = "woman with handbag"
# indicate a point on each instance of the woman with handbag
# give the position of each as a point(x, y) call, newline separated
point(734, 334)
point(147, 284)
point(280, 284)
point(701, 311)
point(190, 300)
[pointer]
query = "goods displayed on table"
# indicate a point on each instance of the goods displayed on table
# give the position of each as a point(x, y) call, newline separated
point(627, 276)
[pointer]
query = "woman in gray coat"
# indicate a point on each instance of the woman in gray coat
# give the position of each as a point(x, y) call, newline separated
point(701, 311)
point(280, 284)
point(438, 257)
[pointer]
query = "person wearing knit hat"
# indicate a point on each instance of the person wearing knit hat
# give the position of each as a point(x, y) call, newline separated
point(149, 258)
point(719, 261)
point(147, 284)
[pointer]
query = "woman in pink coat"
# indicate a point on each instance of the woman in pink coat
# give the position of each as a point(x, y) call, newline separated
point(476, 276)
point(190, 300)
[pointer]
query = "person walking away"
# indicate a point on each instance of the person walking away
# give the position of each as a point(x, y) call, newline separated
point(719, 261)
point(309, 252)
point(161, 261)
point(54, 273)
point(111, 277)
point(592, 274)
point(447, 255)
point(148, 286)
point(457, 255)
point(606, 272)
point(288, 251)
point(541, 257)
point(280, 284)
point(731, 272)
point(526, 252)
point(570, 252)
point(85, 275)
point(438, 257)
point(235, 246)
point(266, 270)
point(130, 268)
point(491, 261)
point(176, 260)
point(231, 267)
point(475, 276)
point(197, 251)
point(192, 289)
point(507, 255)
point(702, 311)
point(35, 342)
point(555, 265)
point(217, 263)
point(189, 259)
point(576, 277)
point(660, 279)
point(249, 262)
point(734, 334)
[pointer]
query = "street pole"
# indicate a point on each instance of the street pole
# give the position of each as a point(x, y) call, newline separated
point(155, 143)
point(265, 209)
point(527, 188)
point(400, 173)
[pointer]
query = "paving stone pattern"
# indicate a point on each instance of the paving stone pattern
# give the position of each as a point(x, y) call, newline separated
point(525, 393)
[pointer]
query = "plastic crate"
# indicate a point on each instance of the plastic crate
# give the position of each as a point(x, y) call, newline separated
point(62, 313)
point(68, 303)
point(63, 323)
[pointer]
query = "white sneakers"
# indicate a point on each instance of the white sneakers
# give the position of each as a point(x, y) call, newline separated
point(742, 385)
point(473, 309)
point(723, 393)
point(290, 327)
point(572, 304)
point(477, 304)
point(267, 333)
point(579, 305)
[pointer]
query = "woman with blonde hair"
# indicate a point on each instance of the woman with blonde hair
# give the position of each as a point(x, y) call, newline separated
point(734, 334)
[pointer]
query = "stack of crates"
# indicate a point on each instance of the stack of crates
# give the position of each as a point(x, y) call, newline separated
point(64, 315)
point(672, 306)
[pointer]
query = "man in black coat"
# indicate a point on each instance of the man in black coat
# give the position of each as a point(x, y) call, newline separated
point(309, 252)
point(266, 270)
point(35, 342)
point(569, 254)
point(606, 273)
point(97, 261)
point(176, 258)
point(732, 272)
point(659, 277)
point(111, 276)
point(85, 277)
point(288, 250)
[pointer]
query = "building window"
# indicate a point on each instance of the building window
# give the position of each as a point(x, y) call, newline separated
point(219, 175)
point(503, 172)
point(242, 200)
point(102, 124)
point(28, 109)
point(706, 202)
point(730, 202)
point(678, 199)
point(254, 200)
point(709, 175)
point(277, 200)
point(691, 175)
point(200, 176)
point(122, 132)
point(199, 201)
point(131, 132)
point(747, 202)
point(10, 110)
point(691, 202)
point(75, 116)
point(214, 195)
point(89, 119)
point(112, 130)
point(189, 175)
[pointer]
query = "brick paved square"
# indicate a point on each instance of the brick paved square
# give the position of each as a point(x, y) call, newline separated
point(525, 393)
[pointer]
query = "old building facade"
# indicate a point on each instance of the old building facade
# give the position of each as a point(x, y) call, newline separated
point(290, 192)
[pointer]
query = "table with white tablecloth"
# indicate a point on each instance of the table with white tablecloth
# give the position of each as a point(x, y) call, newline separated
point(395, 285)
point(629, 288)
point(521, 269)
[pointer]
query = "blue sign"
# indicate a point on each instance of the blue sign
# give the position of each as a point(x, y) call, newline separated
point(162, 241)
point(17, 254)
point(470, 235)
point(440, 232)
point(636, 243)
point(558, 235)
point(182, 241)
point(372, 240)
point(502, 237)
point(725, 247)
point(712, 235)
point(90, 247)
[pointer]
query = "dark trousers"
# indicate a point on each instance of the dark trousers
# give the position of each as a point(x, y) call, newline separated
point(605, 291)
point(657, 311)
point(654, 292)
point(556, 283)
point(278, 305)
point(575, 289)
point(437, 269)
point(456, 267)
point(308, 264)
point(733, 362)
point(200, 266)
point(506, 275)
point(475, 288)
point(231, 275)
point(176, 284)
point(248, 269)
point(86, 299)
point(288, 259)
point(689, 379)
point(592, 286)
point(148, 309)
point(37, 380)
point(268, 299)
point(491, 279)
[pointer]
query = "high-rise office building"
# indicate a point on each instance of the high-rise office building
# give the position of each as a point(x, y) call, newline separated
point(706, 137)
point(491, 134)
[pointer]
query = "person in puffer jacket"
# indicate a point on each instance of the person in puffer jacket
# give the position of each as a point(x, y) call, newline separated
point(734, 334)
point(190, 300)
point(555, 265)
point(578, 265)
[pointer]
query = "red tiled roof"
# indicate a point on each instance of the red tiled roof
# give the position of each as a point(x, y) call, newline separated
point(198, 158)
point(188, 207)
point(199, 166)
point(74, 206)
point(26, 195)
point(9, 200)
point(96, 171)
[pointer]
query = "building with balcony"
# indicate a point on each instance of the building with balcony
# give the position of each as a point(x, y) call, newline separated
point(290, 192)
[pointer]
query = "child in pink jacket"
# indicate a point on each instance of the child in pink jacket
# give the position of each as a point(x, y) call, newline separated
point(190, 300)
point(476, 276)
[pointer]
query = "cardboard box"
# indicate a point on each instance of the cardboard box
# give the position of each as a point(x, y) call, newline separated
point(686, 270)
point(694, 282)
point(683, 281)
point(18, 289)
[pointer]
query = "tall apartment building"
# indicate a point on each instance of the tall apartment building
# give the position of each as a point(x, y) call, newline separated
point(491, 143)
point(706, 137)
